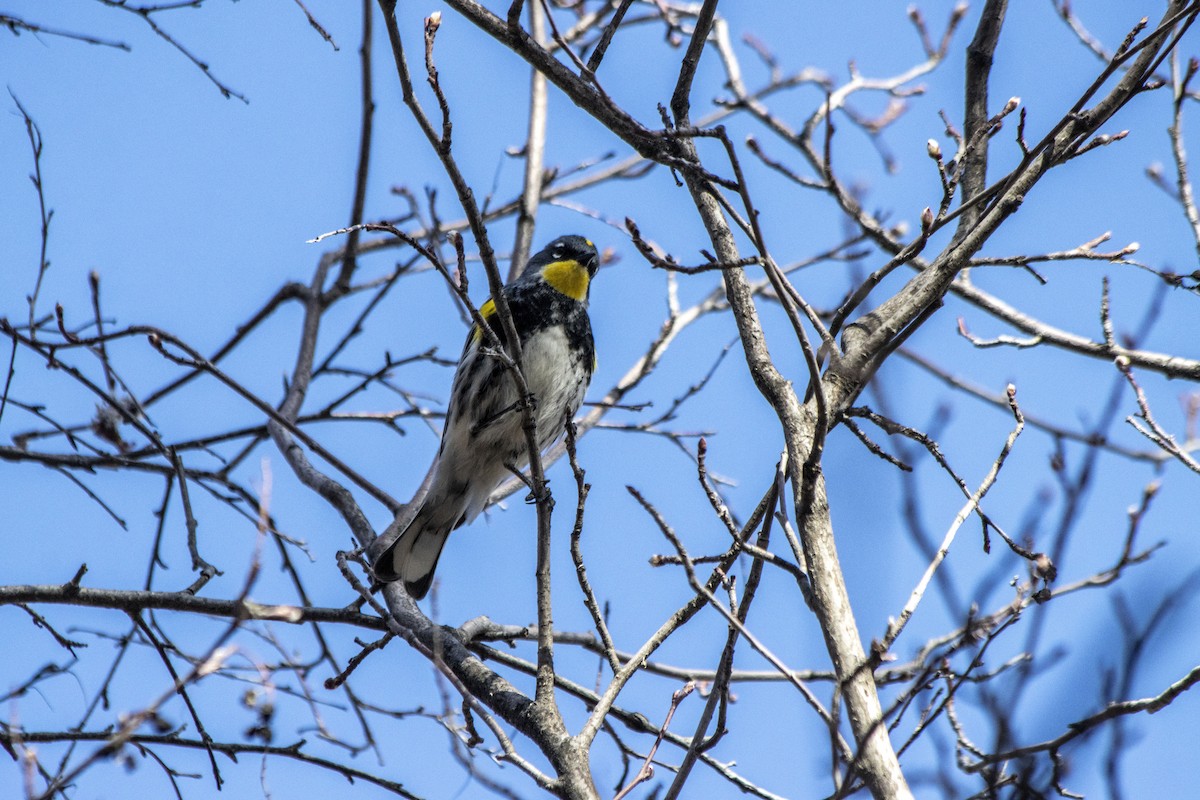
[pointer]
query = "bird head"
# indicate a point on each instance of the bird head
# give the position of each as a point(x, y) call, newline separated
point(568, 264)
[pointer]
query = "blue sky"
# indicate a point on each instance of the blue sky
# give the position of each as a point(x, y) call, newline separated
point(194, 208)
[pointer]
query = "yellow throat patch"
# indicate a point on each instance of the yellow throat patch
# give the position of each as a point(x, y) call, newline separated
point(569, 277)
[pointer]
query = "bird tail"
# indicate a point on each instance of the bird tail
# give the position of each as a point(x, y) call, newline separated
point(414, 555)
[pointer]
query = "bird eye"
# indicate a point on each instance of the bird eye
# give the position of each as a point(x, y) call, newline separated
point(557, 254)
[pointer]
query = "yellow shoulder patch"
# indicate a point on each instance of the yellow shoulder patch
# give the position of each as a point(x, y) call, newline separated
point(487, 311)
point(569, 277)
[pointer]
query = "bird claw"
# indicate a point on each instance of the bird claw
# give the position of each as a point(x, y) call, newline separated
point(531, 498)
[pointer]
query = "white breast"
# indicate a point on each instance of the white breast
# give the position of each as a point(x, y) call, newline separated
point(556, 379)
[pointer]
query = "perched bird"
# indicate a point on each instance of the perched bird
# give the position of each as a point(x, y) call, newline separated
point(484, 436)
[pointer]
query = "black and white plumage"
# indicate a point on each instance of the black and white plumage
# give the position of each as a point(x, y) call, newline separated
point(483, 434)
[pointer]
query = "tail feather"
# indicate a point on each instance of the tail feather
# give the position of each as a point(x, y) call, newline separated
point(414, 555)
point(457, 490)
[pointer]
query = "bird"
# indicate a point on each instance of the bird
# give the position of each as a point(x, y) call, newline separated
point(483, 438)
